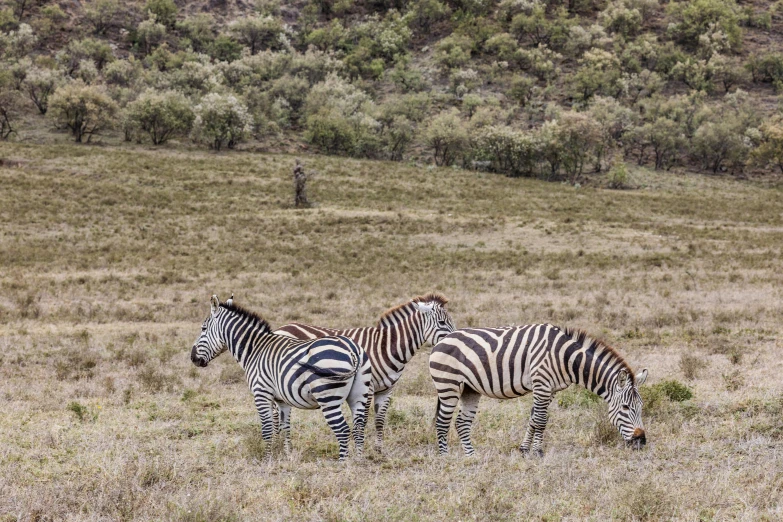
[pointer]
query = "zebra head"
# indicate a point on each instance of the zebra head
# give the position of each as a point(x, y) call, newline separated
point(625, 408)
point(437, 320)
point(210, 343)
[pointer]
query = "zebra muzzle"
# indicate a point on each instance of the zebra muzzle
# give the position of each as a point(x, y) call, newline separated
point(638, 440)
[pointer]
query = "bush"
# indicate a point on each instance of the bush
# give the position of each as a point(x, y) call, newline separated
point(690, 365)
point(40, 84)
point(221, 121)
point(599, 74)
point(225, 49)
point(19, 43)
point(541, 61)
point(697, 17)
point(121, 72)
point(766, 68)
point(258, 32)
point(424, 13)
point(770, 149)
point(453, 51)
point(102, 14)
point(199, 31)
point(447, 136)
point(576, 135)
point(150, 33)
point(617, 176)
point(618, 18)
point(510, 151)
point(9, 111)
point(84, 109)
point(540, 29)
point(674, 390)
point(165, 11)
point(161, 115)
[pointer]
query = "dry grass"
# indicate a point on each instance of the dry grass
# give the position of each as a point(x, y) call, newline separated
point(108, 257)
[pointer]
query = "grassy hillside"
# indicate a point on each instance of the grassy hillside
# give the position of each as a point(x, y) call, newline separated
point(530, 88)
point(108, 257)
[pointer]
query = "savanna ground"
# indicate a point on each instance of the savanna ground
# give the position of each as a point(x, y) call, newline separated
point(108, 257)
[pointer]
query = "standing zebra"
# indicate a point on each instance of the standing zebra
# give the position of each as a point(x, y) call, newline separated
point(505, 363)
point(290, 373)
point(391, 344)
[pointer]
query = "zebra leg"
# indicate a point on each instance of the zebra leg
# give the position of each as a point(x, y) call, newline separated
point(336, 421)
point(382, 402)
point(264, 406)
point(444, 411)
point(535, 430)
point(276, 418)
point(467, 414)
point(359, 401)
point(285, 425)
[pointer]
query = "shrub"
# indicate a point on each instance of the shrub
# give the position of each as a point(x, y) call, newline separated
point(231, 374)
point(121, 72)
point(424, 13)
point(150, 33)
point(617, 176)
point(161, 115)
point(51, 17)
point(694, 18)
point(766, 68)
point(770, 149)
point(258, 32)
point(690, 365)
point(620, 19)
point(9, 111)
point(40, 84)
point(664, 136)
point(453, 51)
point(84, 109)
point(540, 29)
point(447, 136)
point(19, 43)
point(541, 61)
point(599, 74)
point(221, 121)
point(102, 14)
point(510, 151)
point(674, 390)
point(502, 45)
point(165, 11)
point(521, 89)
point(199, 31)
point(225, 49)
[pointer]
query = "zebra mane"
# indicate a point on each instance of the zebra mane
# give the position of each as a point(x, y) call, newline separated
point(244, 312)
point(580, 336)
point(426, 298)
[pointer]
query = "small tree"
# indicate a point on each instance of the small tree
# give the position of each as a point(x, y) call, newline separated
point(258, 32)
point(84, 109)
point(447, 136)
point(150, 34)
point(165, 11)
point(102, 14)
point(221, 121)
point(40, 84)
point(770, 150)
point(9, 111)
point(161, 115)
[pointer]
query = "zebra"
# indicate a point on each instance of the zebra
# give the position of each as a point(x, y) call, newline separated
point(283, 373)
point(508, 362)
point(391, 344)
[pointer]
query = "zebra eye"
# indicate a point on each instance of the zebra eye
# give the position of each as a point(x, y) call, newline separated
point(626, 407)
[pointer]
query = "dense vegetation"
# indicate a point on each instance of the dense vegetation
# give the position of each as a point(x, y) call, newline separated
point(521, 87)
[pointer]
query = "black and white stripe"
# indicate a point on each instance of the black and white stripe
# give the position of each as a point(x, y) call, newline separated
point(286, 373)
point(400, 332)
point(504, 363)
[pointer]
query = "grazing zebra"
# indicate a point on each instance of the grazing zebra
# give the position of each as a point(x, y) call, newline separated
point(290, 373)
point(400, 333)
point(504, 363)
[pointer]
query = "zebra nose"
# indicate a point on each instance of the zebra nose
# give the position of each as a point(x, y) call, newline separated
point(198, 361)
point(638, 439)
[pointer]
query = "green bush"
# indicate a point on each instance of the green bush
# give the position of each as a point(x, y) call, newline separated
point(102, 14)
point(674, 390)
point(9, 111)
point(161, 115)
point(770, 149)
point(40, 84)
point(620, 19)
point(511, 152)
point(199, 31)
point(224, 48)
point(766, 68)
point(150, 33)
point(695, 18)
point(84, 109)
point(539, 29)
point(221, 121)
point(165, 11)
point(121, 72)
point(447, 136)
point(453, 51)
point(258, 32)
point(424, 13)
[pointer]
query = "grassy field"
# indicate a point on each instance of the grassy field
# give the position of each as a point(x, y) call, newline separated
point(108, 257)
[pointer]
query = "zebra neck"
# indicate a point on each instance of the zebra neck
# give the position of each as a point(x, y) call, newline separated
point(402, 333)
point(596, 369)
point(245, 343)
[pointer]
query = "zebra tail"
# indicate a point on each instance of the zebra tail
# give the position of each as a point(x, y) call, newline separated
point(437, 411)
point(329, 374)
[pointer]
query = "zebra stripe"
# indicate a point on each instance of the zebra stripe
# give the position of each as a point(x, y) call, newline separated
point(508, 362)
point(285, 373)
point(400, 332)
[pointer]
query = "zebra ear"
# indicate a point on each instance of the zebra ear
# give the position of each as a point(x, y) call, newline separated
point(230, 300)
point(215, 302)
point(641, 377)
point(425, 308)
point(622, 378)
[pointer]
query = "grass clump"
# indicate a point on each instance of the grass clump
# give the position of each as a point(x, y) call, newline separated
point(674, 390)
point(232, 374)
point(644, 502)
point(690, 365)
point(577, 397)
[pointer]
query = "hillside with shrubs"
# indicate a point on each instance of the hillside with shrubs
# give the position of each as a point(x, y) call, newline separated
point(556, 90)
